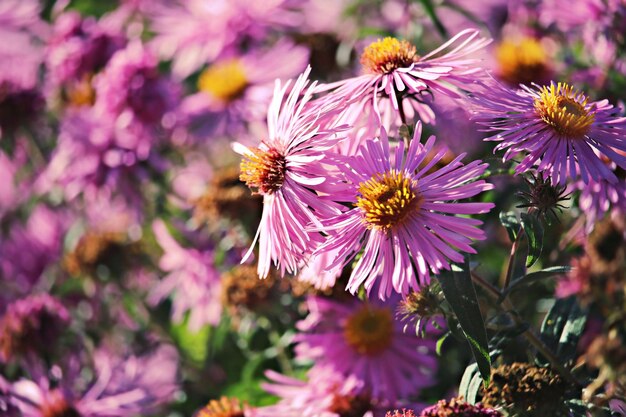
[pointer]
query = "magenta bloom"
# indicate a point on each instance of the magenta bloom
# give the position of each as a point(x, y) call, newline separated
point(326, 393)
point(457, 407)
point(363, 340)
point(397, 81)
point(79, 47)
point(192, 280)
point(183, 35)
point(598, 198)
point(560, 132)
point(285, 169)
point(403, 214)
point(238, 89)
point(122, 387)
point(30, 324)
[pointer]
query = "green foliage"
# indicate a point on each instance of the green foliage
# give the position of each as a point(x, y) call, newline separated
point(563, 326)
point(460, 293)
point(534, 234)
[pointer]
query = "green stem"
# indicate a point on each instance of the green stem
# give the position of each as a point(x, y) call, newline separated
point(430, 11)
point(512, 258)
point(529, 334)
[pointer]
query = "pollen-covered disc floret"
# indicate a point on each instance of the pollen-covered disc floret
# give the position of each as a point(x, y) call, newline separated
point(369, 330)
point(224, 80)
point(263, 170)
point(387, 199)
point(388, 54)
point(565, 109)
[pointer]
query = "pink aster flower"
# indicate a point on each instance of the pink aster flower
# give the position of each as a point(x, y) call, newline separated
point(183, 35)
point(362, 339)
point(326, 393)
point(122, 387)
point(598, 198)
point(285, 169)
point(29, 324)
point(557, 128)
point(397, 81)
point(238, 89)
point(192, 280)
point(403, 214)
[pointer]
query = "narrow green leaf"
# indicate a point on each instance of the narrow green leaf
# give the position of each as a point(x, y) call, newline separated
point(459, 291)
point(563, 326)
point(534, 277)
point(534, 234)
point(440, 342)
point(510, 223)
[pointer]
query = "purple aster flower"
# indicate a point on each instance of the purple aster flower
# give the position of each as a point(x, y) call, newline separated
point(182, 32)
point(29, 249)
point(192, 279)
point(326, 393)
point(557, 128)
point(238, 89)
point(285, 169)
point(363, 340)
point(77, 50)
point(90, 161)
point(403, 214)
point(122, 387)
point(138, 100)
point(397, 80)
point(598, 198)
point(30, 324)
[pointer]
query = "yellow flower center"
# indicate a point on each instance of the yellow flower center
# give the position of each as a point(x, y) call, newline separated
point(224, 80)
point(522, 62)
point(369, 330)
point(224, 407)
point(263, 171)
point(388, 54)
point(565, 110)
point(387, 199)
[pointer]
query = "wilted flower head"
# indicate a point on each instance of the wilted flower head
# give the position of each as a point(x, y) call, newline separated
point(525, 388)
point(419, 308)
point(557, 128)
point(362, 339)
point(30, 325)
point(456, 407)
point(543, 197)
point(401, 215)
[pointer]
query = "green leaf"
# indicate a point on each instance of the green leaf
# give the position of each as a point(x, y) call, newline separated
point(563, 326)
point(459, 291)
point(534, 234)
point(510, 223)
point(193, 344)
point(470, 383)
point(440, 342)
point(534, 277)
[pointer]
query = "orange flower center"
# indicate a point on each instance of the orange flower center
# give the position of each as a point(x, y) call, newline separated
point(387, 199)
point(263, 171)
point(224, 407)
point(565, 110)
point(388, 54)
point(369, 330)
